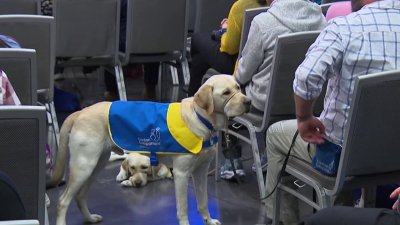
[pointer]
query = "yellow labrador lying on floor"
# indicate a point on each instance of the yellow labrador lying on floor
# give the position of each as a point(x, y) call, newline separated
point(86, 135)
point(136, 170)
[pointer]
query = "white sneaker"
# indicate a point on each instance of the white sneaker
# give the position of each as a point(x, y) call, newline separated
point(227, 170)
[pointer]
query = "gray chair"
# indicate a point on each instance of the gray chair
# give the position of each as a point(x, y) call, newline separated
point(192, 15)
point(22, 155)
point(85, 38)
point(20, 67)
point(160, 38)
point(209, 14)
point(370, 154)
point(37, 32)
point(248, 17)
point(20, 7)
point(289, 52)
point(19, 222)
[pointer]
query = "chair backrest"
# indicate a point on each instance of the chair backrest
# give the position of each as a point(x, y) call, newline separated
point(156, 26)
point(209, 14)
point(20, 7)
point(22, 155)
point(20, 67)
point(87, 28)
point(371, 143)
point(192, 15)
point(289, 53)
point(19, 222)
point(248, 17)
point(35, 32)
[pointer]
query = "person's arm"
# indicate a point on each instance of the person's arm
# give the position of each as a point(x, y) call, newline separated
point(310, 128)
point(252, 56)
point(318, 66)
point(230, 40)
point(396, 195)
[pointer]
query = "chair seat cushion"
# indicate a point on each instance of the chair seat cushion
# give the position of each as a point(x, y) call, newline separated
point(302, 169)
point(306, 170)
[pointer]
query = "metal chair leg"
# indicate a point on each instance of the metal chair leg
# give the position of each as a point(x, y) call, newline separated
point(119, 76)
point(277, 207)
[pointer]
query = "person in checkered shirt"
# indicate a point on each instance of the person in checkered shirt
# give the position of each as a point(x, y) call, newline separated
point(364, 42)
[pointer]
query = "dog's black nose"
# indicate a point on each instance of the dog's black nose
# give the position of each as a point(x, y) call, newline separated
point(138, 182)
point(247, 104)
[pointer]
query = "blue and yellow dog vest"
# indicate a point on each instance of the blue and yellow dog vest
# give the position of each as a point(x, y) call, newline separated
point(150, 127)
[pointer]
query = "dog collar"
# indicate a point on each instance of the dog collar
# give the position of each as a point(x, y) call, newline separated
point(204, 121)
point(213, 139)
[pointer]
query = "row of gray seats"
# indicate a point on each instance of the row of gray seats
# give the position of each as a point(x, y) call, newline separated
point(24, 127)
point(87, 37)
point(22, 157)
point(90, 37)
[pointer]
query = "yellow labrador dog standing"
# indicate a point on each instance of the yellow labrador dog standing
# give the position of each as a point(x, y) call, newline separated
point(85, 134)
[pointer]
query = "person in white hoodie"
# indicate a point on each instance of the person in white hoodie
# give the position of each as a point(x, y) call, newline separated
point(254, 65)
point(283, 17)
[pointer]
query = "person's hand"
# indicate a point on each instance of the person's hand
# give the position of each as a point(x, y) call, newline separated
point(396, 195)
point(224, 23)
point(311, 130)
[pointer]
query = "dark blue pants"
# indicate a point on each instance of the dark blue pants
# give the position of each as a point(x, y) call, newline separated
point(205, 54)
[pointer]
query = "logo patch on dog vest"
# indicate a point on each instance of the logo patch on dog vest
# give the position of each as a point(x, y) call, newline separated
point(150, 127)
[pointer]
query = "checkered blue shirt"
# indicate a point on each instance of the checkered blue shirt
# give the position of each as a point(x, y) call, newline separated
point(364, 42)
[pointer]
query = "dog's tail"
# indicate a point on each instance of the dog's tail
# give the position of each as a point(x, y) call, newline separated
point(62, 152)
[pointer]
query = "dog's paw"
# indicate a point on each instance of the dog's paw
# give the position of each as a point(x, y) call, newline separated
point(126, 183)
point(186, 222)
point(94, 218)
point(212, 222)
point(121, 177)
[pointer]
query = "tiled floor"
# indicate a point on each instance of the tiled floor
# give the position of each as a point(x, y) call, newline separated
point(230, 202)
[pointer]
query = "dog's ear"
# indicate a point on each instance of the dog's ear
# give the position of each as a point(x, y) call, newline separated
point(204, 99)
point(125, 166)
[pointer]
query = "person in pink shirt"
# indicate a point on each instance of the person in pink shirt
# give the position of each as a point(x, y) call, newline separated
point(338, 9)
point(7, 93)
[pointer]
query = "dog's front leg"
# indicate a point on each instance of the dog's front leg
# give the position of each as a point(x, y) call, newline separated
point(181, 179)
point(122, 175)
point(200, 188)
